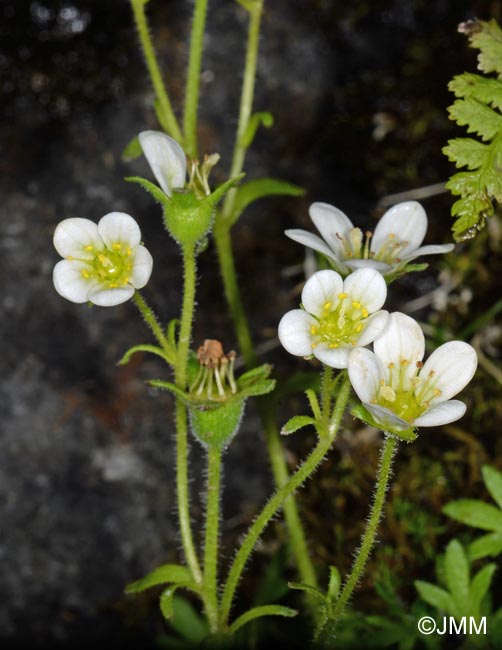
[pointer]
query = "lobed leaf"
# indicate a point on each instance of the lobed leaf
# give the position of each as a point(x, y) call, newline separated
point(475, 513)
point(479, 588)
point(163, 574)
point(478, 117)
point(297, 422)
point(485, 90)
point(488, 39)
point(152, 349)
point(251, 191)
point(456, 568)
point(259, 612)
point(487, 545)
point(466, 152)
point(493, 482)
point(436, 597)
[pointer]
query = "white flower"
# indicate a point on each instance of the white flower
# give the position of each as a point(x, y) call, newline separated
point(400, 391)
point(395, 242)
point(103, 263)
point(336, 316)
point(166, 159)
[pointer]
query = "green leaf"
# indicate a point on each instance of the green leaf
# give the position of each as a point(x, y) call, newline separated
point(255, 374)
point(222, 189)
point(456, 567)
point(479, 588)
point(151, 188)
point(493, 482)
point(478, 117)
point(258, 388)
point(132, 150)
point(259, 612)
point(153, 349)
point(487, 91)
point(436, 596)
point(308, 589)
point(264, 119)
point(475, 513)
point(408, 435)
point(466, 152)
point(187, 622)
point(487, 37)
point(297, 422)
point(159, 576)
point(335, 581)
point(251, 191)
point(490, 544)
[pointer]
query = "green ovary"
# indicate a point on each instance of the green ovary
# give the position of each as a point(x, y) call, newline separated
point(402, 402)
point(110, 267)
point(340, 325)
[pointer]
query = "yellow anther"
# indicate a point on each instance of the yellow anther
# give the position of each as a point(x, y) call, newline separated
point(327, 305)
point(359, 328)
point(333, 345)
point(113, 285)
point(343, 295)
point(432, 373)
point(313, 346)
point(86, 274)
point(116, 246)
point(405, 362)
point(356, 305)
point(437, 392)
point(382, 382)
point(388, 394)
point(365, 313)
point(391, 365)
point(391, 235)
point(89, 247)
point(126, 279)
point(313, 329)
point(129, 251)
point(70, 258)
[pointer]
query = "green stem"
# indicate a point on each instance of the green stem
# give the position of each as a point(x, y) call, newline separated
point(211, 539)
point(246, 104)
point(270, 509)
point(181, 414)
point(170, 121)
point(154, 325)
point(193, 77)
point(368, 539)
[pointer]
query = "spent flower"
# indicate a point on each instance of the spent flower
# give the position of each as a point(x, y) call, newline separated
point(400, 391)
point(336, 316)
point(394, 244)
point(104, 263)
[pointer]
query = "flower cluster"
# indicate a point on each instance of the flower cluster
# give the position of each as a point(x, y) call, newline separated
point(339, 318)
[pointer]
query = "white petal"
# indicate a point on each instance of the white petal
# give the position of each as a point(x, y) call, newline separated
point(368, 287)
point(73, 235)
point(142, 267)
point(166, 159)
point(368, 264)
point(119, 227)
point(373, 327)
point(402, 339)
point(69, 282)
point(320, 288)
point(365, 373)
point(387, 418)
point(407, 222)
point(442, 413)
point(433, 249)
point(294, 332)
point(335, 358)
point(312, 241)
point(453, 365)
point(111, 297)
point(332, 223)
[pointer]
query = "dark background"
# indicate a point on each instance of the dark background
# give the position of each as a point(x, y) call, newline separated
point(86, 450)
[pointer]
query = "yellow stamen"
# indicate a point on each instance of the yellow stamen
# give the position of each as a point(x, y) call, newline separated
point(327, 305)
point(86, 274)
point(313, 329)
point(89, 247)
point(343, 295)
point(116, 246)
point(365, 313)
point(333, 345)
point(356, 305)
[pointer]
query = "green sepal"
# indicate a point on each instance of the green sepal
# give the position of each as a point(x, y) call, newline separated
point(166, 573)
point(172, 388)
point(408, 435)
point(409, 268)
point(259, 612)
point(251, 191)
point(132, 150)
point(215, 197)
point(152, 349)
point(151, 188)
point(187, 218)
point(264, 118)
point(296, 423)
point(215, 427)
point(335, 582)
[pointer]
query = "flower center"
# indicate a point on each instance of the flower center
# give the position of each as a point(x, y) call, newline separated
point(110, 266)
point(406, 393)
point(340, 323)
point(357, 246)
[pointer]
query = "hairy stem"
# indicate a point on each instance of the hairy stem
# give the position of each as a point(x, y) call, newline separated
point(170, 122)
point(154, 325)
point(368, 538)
point(211, 538)
point(271, 508)
point(193, 78)
point(181, 414)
